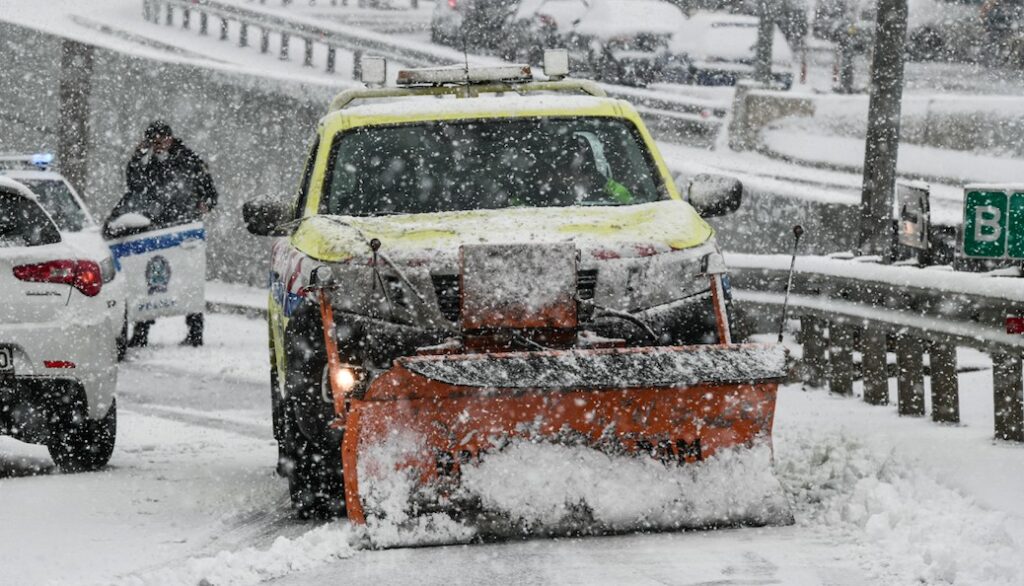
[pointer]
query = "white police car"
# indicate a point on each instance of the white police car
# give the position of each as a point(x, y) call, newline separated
point(59, 313)
point(77, 227)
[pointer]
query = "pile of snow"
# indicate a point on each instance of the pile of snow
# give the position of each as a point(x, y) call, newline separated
point(910, 527)
point(537, 488)
point(318, 547)
point(387, 488)
point(540, 485)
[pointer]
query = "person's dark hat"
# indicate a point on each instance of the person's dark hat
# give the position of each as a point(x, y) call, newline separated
point(158, 129)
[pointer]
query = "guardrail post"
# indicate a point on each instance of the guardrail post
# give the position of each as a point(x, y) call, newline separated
point(223, 29)
point(910, 375)
point(186, 18)
point(264, 40)
point(330, 58)
point(812, 337)
point(945, 385)
point(285, 42)
point(1007, 377)
point(243, 34)
point(204, 23)
point(841, 341)
point(874, 351)
point(307, 58)
point(169, 15)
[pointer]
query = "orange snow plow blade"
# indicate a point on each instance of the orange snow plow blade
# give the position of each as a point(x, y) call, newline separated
point(431, 422)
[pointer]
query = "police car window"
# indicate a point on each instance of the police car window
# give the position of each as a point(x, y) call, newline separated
point(58, 201)
point(23, 223)
point(307, 174)
point(447, 166)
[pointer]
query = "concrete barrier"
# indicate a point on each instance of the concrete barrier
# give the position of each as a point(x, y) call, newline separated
point(966, 123)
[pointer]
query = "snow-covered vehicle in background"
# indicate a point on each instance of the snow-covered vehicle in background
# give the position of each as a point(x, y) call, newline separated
point(937, 30)
point(73, 219)
point(475, 23)
point(715, 48)
point(621, 41)
point(476, 263)
point(59, 315)
point(638, 42)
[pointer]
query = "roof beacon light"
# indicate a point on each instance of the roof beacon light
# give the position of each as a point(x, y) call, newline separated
point(42, 160)
point(459, 74)
point(556, 63)
point(374, 70)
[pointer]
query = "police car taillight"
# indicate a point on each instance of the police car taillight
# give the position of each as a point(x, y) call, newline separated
point(84, 275)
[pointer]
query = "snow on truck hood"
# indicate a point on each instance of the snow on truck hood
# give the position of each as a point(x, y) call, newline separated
point(602, 232)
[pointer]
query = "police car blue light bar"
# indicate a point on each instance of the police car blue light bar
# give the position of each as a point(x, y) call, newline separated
point(42, 160)
point(38, 160)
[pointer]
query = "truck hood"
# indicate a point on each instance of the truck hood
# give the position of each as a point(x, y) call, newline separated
point(417, 239)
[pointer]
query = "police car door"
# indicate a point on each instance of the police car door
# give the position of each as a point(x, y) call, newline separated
point(165, 271)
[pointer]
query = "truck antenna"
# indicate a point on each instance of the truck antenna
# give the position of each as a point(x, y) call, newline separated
point(798, 231)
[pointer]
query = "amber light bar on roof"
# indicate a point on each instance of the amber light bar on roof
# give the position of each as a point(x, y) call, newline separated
point(456, 74)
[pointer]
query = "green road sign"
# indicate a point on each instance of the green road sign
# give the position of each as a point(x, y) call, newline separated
point(993, 223)
point(1015, 232)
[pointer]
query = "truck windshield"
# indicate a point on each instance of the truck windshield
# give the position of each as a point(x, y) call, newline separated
point(489, 164)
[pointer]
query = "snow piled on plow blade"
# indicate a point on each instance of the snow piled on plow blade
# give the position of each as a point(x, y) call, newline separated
point(532, 489)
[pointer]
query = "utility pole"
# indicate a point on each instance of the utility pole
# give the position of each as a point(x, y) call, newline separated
point(883, 136)
point(763, 54)
point(844, 59)
point(76, 64)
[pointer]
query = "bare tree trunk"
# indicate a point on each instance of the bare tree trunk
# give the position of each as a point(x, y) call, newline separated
point(76, 65)
point(883, 135)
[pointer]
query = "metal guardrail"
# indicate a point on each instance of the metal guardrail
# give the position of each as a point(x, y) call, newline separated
point(180, 12)
point(841, 315)
point(663, 111)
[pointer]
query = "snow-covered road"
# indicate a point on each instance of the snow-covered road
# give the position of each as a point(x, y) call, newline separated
point(191, 495)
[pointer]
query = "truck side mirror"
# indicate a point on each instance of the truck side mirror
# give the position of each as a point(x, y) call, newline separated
point(264, 216)
point(711, 195)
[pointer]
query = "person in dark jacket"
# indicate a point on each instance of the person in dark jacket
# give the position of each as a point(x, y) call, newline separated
point(169, 184)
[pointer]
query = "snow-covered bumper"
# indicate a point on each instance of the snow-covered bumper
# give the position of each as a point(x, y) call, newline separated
point(59, 361)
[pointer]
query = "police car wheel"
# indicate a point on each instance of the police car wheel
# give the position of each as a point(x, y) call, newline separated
point(80, 444)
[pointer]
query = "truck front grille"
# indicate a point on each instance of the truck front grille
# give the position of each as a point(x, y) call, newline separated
point(446, 288)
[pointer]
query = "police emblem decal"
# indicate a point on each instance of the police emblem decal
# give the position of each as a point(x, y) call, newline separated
point(158, 274)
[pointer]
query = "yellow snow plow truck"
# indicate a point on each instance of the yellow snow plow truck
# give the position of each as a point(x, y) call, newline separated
point(493, 312)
